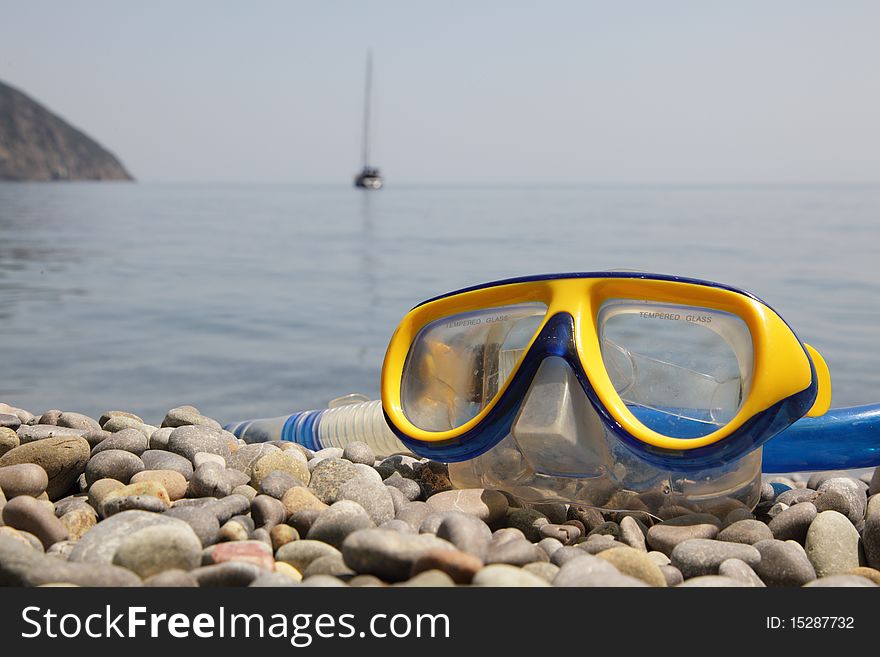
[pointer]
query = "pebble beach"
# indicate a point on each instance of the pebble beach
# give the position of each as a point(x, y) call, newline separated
point(116, 501)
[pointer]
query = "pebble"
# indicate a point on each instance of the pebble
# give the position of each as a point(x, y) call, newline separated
point(234, 531)
point(545, 570)
point(34, 433)
point(27, 514)
point(129, 440)
point(323, 581)
point(206, 457)
point(608, 528)
point(590, 570)
point(797, 496)
point(9, 421)
point(565, 534)
point(249, 551)
point(78, 522)
point(700, 556)
point(428, 578)
point(275, 484)
point(359, 452)
point(793, 523)
point(188, 415)
point(245, 490)
point(157, 548)
point(279, 462)
point(113, 464)
point(845, 496)
point(410, 489)
point(635, 563)
point(487, 505)
point(299, 498)
point(282, 535)
point(23, 479)
point(671, 574)
point(303, 519)
point(507, 576)
point(8, 440)
point(335, 524)
point(132, 502)
point(838, 581)
point(98, 545)
point(247, 455)
point(466, 532)
point(23, 537)
point(868, 573)
point(405, 466)
point(329, 476)
point(214, 480)
point(300, 554)
point(832, 543)
point(712, 581)
point(110, 414)
point(740, 570)
point(664, 536)
point(267, 512)
point(871, 532)
point(172, 481)
point(154, 459)
point(205, 525)
point(172, 579)
point(748, 532)
point(459, 566)
point(528, 521)
point(783, 563)
point(874, 485)
point(516, 553)
point(329, 565)
point(414, 514)
point(148, 488)
point(373, 497)
point(598, 543)
point(388, 554)
point(227, 574)
point(433, 477)
point(23, 566)
point(64, 460)
point(188, 440)
point(632, 533)
point(159, 439)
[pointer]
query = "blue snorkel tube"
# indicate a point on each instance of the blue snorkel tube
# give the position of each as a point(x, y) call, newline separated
point(841, 439)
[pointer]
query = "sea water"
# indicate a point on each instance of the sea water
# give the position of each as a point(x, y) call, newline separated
point(259, 300)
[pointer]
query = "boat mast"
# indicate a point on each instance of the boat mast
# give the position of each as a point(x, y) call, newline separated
point(367, 98)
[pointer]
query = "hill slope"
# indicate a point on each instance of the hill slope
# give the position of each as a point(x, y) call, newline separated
point(36, 144)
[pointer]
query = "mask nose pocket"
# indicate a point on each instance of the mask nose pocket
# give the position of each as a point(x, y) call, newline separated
point(557, 429)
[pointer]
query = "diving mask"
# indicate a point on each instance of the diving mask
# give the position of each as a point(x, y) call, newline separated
point(617, 390)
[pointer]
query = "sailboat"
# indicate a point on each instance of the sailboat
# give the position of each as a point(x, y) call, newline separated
point(369, 177)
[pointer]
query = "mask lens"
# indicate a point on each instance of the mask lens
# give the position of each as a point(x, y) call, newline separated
point(457, 364)
point(682, 370)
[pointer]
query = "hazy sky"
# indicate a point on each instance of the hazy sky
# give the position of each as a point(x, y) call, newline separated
point(680, 92)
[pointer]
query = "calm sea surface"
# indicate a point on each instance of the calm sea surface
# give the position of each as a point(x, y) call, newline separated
point(250, 301)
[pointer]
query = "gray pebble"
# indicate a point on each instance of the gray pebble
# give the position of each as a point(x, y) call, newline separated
point(226, 574)
point(797, 496)
point(300, 554)
point(793, 523)
point(489, 506)
point(323, 581)
point(871, 532)
point(844, 495)
point(33, 433)
point(335, 524)
point(189, 440)
point(671, 574)
point(388, 554)
point(507, 576)
point(228, 507)
point(700, 556)
point(303, 519)
point(23, 479)
point(267, 511)
point(329, 476)
point(213, 480)
point(589, 570)
point(515, 553)
point(113, 464)
point(712, 581)
point(545, 570)
point(398, 526)
point(129, 440)
point(205, 525)
point(832, 544)
point(159, 438)
point(132, 502)
point(565, 534)
point(98, 545)
point(664, 536)
point(549, 545)
point(172, 579)
point(273, 580)
point(373, 497)
point(783, 563)
point(155, 459)
point(405, 466)
point(409, 488)
point(358, 452)
point(632, 533)
point(740, 570)
point(157, 548)
point(246, 457)
point(528, 521)
point(30, 515)
point(188, 415)
point(874, 485)
point(275, 484)
point(747, 532)
point(838, 581)
point(414, 514)
point(22, 566)
point(331, 564)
